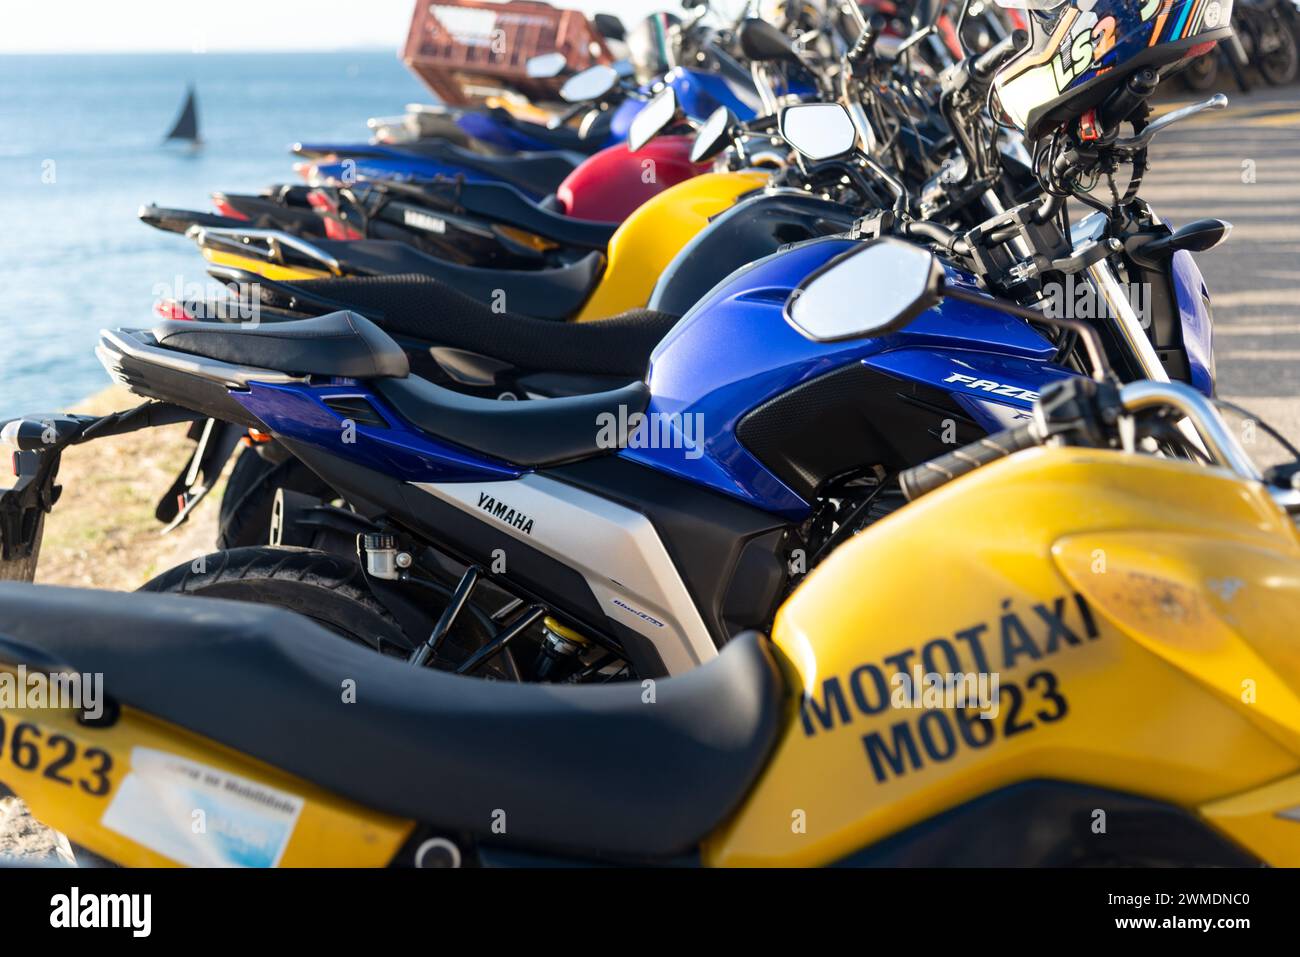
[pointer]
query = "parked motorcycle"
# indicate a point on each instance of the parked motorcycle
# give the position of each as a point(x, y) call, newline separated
point(787, 446)
point(1128, 576)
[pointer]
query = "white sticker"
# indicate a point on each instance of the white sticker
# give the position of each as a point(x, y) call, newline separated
point(201, 816)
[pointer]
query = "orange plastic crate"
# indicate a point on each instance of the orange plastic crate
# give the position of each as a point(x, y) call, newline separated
point(467, 50)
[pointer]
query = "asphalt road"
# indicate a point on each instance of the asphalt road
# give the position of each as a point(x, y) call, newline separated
point(1243, 165)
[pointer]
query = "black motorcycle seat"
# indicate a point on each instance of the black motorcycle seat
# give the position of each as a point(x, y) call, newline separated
point(539, 173)
point(338, 344)
point(543, 293)
point(179, 220)
point(423, 309)
point(561, 137)
point(534, 434)
point(591, 770)
point(503, 203)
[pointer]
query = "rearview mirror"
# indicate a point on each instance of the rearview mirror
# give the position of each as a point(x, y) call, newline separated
point(819, 130)
point(591, 84)
point(653, 119)
point(871, 290)
point(544, 66)
point(714, 136)
point(764, 43)
point(925, 14)
point(609, 26)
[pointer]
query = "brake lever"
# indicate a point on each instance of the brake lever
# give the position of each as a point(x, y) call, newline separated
point(1142, 140)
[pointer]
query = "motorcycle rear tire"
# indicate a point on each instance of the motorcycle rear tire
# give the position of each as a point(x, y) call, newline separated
point(246, 505)
point(1279, 66)
point(329, 590)
point(1202, 73)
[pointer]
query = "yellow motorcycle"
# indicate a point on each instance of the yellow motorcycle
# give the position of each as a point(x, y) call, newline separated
point(1081, 652)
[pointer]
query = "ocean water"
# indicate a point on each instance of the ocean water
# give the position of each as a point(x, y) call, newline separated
point(80, 152)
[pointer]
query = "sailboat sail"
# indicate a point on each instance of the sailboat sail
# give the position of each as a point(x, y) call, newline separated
point(187, 124)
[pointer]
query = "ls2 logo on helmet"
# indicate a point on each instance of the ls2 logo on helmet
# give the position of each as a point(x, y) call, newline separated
point(1088, 41)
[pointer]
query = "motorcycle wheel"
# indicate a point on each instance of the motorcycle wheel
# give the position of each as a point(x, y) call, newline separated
point(1202, 73)
point(245, 517)
point(329, 590)
point(1280, 62)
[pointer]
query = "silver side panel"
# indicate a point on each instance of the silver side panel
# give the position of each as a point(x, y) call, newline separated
point(615, 549)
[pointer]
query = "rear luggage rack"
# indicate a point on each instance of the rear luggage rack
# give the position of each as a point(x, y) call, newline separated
point(138, 344)
point(36, 445)
point(268, 245)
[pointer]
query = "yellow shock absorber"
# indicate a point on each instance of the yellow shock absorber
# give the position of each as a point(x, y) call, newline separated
point(563, 632)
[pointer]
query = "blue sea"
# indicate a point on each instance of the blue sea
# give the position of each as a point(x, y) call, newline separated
point(80, 152)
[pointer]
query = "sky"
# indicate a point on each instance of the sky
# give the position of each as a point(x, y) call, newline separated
point(177, 26)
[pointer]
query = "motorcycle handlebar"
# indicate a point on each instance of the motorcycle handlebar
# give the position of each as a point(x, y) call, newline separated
point(928, 476)
point(992, 59)
point(1206, 425)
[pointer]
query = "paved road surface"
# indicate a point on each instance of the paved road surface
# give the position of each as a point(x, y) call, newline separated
point(1243, 165)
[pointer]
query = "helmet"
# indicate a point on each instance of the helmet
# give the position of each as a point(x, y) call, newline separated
point(1081, 50)
point(652, 45)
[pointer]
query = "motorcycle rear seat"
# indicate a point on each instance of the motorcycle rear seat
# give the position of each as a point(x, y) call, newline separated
point(591, 771)
point(504, 203)
point(534, 434)
point(538, 172)
point(556, 293)
point(425, 309)
point(338, 344)
point(561, 137)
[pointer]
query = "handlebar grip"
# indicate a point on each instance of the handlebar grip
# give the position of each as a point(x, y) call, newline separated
point(866, 41)
point(988, 62)
point(928, 476)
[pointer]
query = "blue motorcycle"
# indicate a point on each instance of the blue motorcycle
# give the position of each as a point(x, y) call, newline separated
point(532, 158)
point(621, 533)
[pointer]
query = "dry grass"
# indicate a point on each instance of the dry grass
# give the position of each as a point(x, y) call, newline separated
point(102, 533)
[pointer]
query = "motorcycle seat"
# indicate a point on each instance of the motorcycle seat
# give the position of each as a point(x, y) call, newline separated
point(179, 220)
point(501, 202)
point(421, 308)
point(538, 173)
point(543, 293)
point(561, 137)
point(532, 434)
point(338, 344)
point(584, 770)
point(422, 312)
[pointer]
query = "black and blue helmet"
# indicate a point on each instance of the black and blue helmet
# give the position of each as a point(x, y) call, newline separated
point(1081, 50)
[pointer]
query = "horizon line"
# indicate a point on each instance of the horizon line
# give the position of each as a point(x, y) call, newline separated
point(151, 51)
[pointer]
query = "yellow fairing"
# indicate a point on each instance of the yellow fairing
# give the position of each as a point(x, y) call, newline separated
point(520, 109)
point(1146, 612)
point(148, 779)
point(652, 236)
point(261, 267)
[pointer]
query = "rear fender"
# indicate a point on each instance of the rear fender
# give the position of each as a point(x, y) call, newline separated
point(145, 793)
